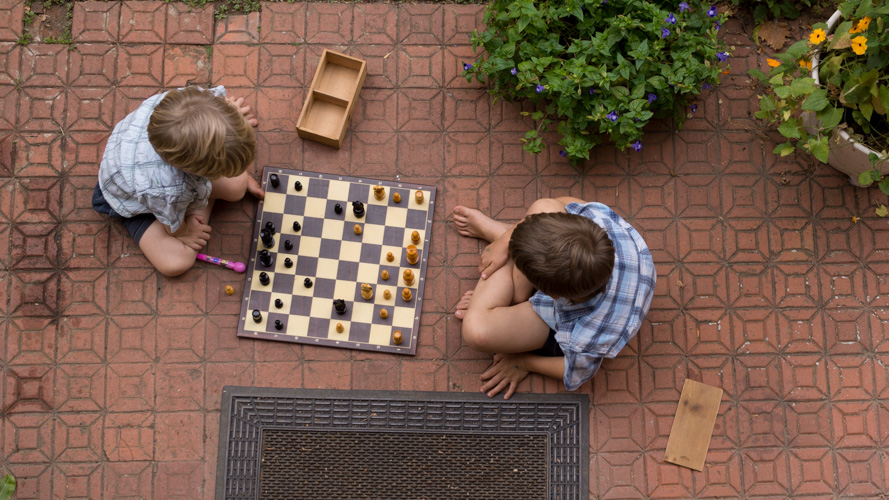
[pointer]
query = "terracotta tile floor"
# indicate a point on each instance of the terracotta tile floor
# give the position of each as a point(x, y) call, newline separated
point(112, 374)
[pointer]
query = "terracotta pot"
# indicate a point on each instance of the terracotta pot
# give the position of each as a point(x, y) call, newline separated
point(846, 154)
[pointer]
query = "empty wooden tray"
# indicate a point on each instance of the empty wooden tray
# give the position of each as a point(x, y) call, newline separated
point(331, 99)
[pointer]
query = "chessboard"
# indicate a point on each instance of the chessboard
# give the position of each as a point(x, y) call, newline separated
point(306, 253)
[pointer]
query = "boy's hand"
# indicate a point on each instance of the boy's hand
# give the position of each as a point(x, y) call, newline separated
point(196, 232)
point(505, 373)
point(244, 110)
point(494, 257)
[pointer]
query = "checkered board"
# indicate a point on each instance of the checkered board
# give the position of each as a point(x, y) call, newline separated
point(327, 250)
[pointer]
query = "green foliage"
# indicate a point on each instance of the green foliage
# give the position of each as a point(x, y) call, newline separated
point(23, 39)
point(873, 175)
point(598, 69)
point(854, 91)
point(7, 487)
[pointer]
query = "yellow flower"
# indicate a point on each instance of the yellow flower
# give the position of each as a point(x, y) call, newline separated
point(773, 63)
point(861, 25)
point(817, 36)
point(805, 64)
point(859, 45)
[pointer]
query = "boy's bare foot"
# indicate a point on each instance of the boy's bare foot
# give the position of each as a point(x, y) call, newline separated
point(463, 305)
point(254, 189)
point(474, 224)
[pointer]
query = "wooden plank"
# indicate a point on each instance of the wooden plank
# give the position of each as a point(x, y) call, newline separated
point(693, 425)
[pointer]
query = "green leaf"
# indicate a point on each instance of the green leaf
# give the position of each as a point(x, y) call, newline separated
point(767, 103)
point(758, 74)
point(859, 90)
point(816, 101)
point(881, 210)
point(884, 186)
point(802, 86)
point(7, 487)
point(819, 148)
point(864, 179)
point(782, 92)
point(866, 109)
point(784, 149)
point(883, 92)
point(790, 129)
point(830, 117)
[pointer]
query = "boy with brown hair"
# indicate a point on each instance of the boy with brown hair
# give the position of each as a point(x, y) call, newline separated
point(167, 162)
point(594, 279)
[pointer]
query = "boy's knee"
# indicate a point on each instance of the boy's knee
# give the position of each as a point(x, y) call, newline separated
point(231, 189)
point(174, 267)
point(477, 333)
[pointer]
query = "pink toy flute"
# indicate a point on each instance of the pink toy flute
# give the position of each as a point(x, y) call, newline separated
point(238, 267)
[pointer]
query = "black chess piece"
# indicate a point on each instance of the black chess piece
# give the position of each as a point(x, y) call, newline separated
point(274, 180)
point(339, 305)
point(270, 227)
point(267, 240)
point(278, 324)
point(264, 278)
point(298, 186)
point(288, 245)
point(337, 209)
point(307, 282)
point(265, 258)
point(279, 303)
point(288, 263)
point(257, 316)
point(296, 227)
point(358, 209)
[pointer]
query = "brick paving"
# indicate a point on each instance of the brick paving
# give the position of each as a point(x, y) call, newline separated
point(112, 374)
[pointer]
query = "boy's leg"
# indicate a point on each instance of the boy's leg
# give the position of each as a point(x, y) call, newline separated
point(166, 252)
point(474, 224)
point(491, 324)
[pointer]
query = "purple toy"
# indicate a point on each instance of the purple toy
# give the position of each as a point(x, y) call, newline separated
point(238, 267)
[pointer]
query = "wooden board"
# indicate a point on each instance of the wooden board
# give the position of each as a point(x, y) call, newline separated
point(693, 425)
point(337, 261)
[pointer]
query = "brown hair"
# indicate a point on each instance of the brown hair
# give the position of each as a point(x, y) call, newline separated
point(563, 255)
point(201, 134)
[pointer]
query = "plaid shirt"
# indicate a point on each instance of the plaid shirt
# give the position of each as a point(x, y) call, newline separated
point(135, 180)
point(600, 327)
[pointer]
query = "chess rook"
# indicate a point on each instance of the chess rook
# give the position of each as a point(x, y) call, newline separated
point(358, 209)
point(397, 338)
point(265, 258)
point(273, 179)
point(418, 197)
point(264, 278)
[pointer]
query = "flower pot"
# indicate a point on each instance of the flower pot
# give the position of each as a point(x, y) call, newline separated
point(846, 154)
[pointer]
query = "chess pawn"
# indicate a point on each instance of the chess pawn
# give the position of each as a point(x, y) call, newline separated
point(396, 197)
point(415, 237)
point(384, 275)
point(418, 196)
point(390, 257)
point(339, 328)
point(387, 294)
point(408, 276)
point(367, 291)
point(406, 294)
point(357, 229)
point(379, 192)
point(412, 255)
point(396, 337)
point(384, 314)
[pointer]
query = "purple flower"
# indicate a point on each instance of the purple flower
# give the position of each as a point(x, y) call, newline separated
point(637, 145)
point(467, 66)
point(722, 56)
point(694, 108)
point(604, 2)
point(592, 91)
point(563, 154)
point(514, 71)
point(670, 19)
point(705, 86)
point(665, 32)
point(712, 11)
point(651, 98)
point(612, 116)
point(539, 88)
point(718, 25)
point(683, 7)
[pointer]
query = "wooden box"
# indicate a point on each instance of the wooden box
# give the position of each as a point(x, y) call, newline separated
point(331, 98)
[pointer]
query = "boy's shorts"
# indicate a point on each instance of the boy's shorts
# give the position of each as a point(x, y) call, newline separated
point(551, 348)
point(136, 226)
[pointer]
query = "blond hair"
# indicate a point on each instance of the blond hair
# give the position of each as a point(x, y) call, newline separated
point(201, 134)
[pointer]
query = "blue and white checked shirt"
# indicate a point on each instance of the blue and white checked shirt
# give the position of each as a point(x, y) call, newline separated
point(600, 327)
point(135, 180)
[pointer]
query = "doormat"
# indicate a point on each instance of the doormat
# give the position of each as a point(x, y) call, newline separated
point(303, 443)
